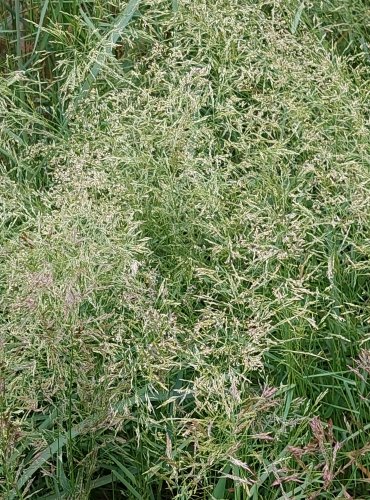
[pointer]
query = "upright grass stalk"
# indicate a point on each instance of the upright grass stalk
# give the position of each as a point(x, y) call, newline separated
point(71, 383)
point(19, 33)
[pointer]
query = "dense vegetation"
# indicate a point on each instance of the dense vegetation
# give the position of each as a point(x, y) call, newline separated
point(185, 249)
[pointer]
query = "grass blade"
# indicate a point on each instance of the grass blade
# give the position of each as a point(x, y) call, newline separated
point(77, 430)
point(220, 488)
point(102, 481)
point(124, 481)
point(297, 18)
point(40, 25)
point(19, 33)
point(108, 44)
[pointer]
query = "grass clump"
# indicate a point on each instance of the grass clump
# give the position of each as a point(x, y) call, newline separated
point(185, 251)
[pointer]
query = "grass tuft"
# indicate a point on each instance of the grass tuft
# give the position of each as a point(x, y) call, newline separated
point(185, 242)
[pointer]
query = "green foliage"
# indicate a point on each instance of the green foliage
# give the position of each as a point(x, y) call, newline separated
point(185, 241)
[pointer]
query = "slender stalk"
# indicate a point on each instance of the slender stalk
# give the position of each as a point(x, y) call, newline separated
point(19, 33)
point(70, 412)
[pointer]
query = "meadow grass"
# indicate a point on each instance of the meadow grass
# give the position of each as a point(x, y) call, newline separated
point(185, 245)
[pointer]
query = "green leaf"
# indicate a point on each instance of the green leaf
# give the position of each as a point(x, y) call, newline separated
point(18, 27)
point(220, 488)
point(40, 25)
point(123, 480)
point(297, 18)
point(102, 481)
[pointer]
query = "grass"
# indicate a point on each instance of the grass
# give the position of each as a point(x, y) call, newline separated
point(185, 241)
